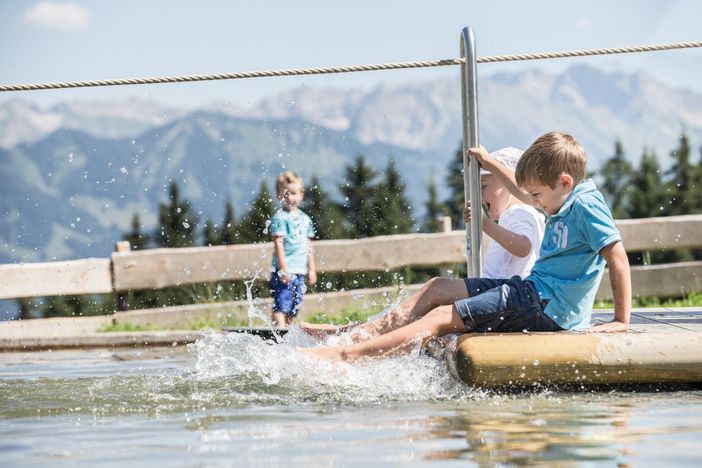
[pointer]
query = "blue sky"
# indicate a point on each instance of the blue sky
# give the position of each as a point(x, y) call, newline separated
point(80, 40)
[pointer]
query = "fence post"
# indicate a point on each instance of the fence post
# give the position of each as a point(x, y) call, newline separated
point(122, 297)
point(445, 227)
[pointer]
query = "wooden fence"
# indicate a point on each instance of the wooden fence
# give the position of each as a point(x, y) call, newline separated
point(159, 268)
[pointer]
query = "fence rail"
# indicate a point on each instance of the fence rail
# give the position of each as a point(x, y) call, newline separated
point(159, 268)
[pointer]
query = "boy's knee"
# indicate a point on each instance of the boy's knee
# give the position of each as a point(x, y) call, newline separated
point(444, 320)
point(439, 319)
point(436, 283)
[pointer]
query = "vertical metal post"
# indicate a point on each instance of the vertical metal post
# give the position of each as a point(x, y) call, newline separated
point(471, 173)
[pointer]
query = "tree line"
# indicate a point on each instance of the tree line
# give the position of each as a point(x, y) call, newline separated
point(371, 203)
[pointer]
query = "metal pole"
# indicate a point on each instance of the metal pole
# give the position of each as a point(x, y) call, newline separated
point(471, 173)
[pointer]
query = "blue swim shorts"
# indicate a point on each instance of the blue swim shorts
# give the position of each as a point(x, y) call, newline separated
point(287, 297)
point(503, 305)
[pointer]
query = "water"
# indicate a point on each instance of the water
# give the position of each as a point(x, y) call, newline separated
point(236, 400)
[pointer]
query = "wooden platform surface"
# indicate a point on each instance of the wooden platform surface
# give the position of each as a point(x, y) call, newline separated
point(681, 319)
point(662, 346)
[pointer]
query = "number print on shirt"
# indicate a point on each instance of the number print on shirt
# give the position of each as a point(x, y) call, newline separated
point(560, 235)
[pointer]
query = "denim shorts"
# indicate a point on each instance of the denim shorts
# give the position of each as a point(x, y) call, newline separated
point(503, 305)
point(287, 297)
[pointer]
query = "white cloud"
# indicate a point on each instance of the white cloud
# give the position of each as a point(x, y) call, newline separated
point(64, 16)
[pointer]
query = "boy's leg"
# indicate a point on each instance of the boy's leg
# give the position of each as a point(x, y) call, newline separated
point(435, 292)
point(440, 321)
point(282, 294)
point(279, 319)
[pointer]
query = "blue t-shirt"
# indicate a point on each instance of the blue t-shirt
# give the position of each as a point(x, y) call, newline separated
point(295, 229)
point(569, 268)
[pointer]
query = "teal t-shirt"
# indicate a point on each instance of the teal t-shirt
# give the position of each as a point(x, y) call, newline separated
point(295, 230)
point(569, 268)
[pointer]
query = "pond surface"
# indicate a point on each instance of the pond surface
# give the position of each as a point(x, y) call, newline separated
point(235, 400)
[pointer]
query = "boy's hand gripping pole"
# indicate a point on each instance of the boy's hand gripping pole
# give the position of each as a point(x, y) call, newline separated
point(471, 172)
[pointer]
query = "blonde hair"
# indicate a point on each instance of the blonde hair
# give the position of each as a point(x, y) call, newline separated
point(285, 179)
point(551, 155)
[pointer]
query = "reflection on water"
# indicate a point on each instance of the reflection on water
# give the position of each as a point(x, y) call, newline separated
point(235, 399)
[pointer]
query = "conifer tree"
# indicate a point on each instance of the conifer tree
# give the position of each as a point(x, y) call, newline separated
point(681, 173)
point(616, 172)
point(647, 197)
point(229, 233)
point(434, 209)
point(358, 203)
point(325, 214)
point(253, 227)
point(138, 240)
point(393, 214)
point(177, 222)
point(457, 198)
point(210, 234)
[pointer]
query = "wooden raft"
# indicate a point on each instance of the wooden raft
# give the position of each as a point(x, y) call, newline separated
point(662, 346)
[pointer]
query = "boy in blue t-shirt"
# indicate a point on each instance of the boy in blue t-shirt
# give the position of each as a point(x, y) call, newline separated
point(580, 237)
point(291, 230)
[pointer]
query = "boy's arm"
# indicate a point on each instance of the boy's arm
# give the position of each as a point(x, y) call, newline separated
point(505, 175)
point(516, 244)
point(279, 252)
point(311, 267)
point(620, 279)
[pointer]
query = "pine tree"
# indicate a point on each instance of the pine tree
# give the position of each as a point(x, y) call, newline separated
point(210, 234)
point(358, 192)
point(434, 209)
point(138, 240)
point(647, 196)
point(176, 221)
point(253, 227)
point(457, 198)
point(393, 214)
point(681, 181)
point(325, 214)
point(229, 233)
point(616, 172)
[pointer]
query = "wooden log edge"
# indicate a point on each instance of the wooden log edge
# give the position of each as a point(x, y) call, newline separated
point(564, 358)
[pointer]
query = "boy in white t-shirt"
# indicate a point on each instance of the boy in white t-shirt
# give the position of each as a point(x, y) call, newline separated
point(516, 230)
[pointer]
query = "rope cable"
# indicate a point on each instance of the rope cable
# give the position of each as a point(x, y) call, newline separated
point(346, 68)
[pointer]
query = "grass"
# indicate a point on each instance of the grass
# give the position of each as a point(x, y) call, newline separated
point(346, 316)
point(359, 315)
point(124, 327)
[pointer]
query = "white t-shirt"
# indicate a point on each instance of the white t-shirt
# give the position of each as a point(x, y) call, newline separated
point(525, 221)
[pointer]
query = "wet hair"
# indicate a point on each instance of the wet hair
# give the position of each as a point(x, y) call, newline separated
point(551, 155)
point(285, 179)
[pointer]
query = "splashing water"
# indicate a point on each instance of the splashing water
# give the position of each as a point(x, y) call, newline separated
point(264, 372)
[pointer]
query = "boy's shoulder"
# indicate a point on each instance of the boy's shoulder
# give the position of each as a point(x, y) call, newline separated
point(280, 215)
point(585, 197)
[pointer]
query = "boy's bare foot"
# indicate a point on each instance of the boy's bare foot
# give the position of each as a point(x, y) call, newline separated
point(328, 353)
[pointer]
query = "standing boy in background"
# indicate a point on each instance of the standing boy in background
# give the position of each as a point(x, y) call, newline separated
point(293, 259)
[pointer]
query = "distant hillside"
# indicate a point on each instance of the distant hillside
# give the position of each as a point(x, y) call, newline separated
point(72, 176)
point(72, 194)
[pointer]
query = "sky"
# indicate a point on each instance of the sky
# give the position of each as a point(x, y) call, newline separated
point(100, 39)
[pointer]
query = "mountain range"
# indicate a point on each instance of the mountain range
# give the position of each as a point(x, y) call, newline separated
point(72, 175)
